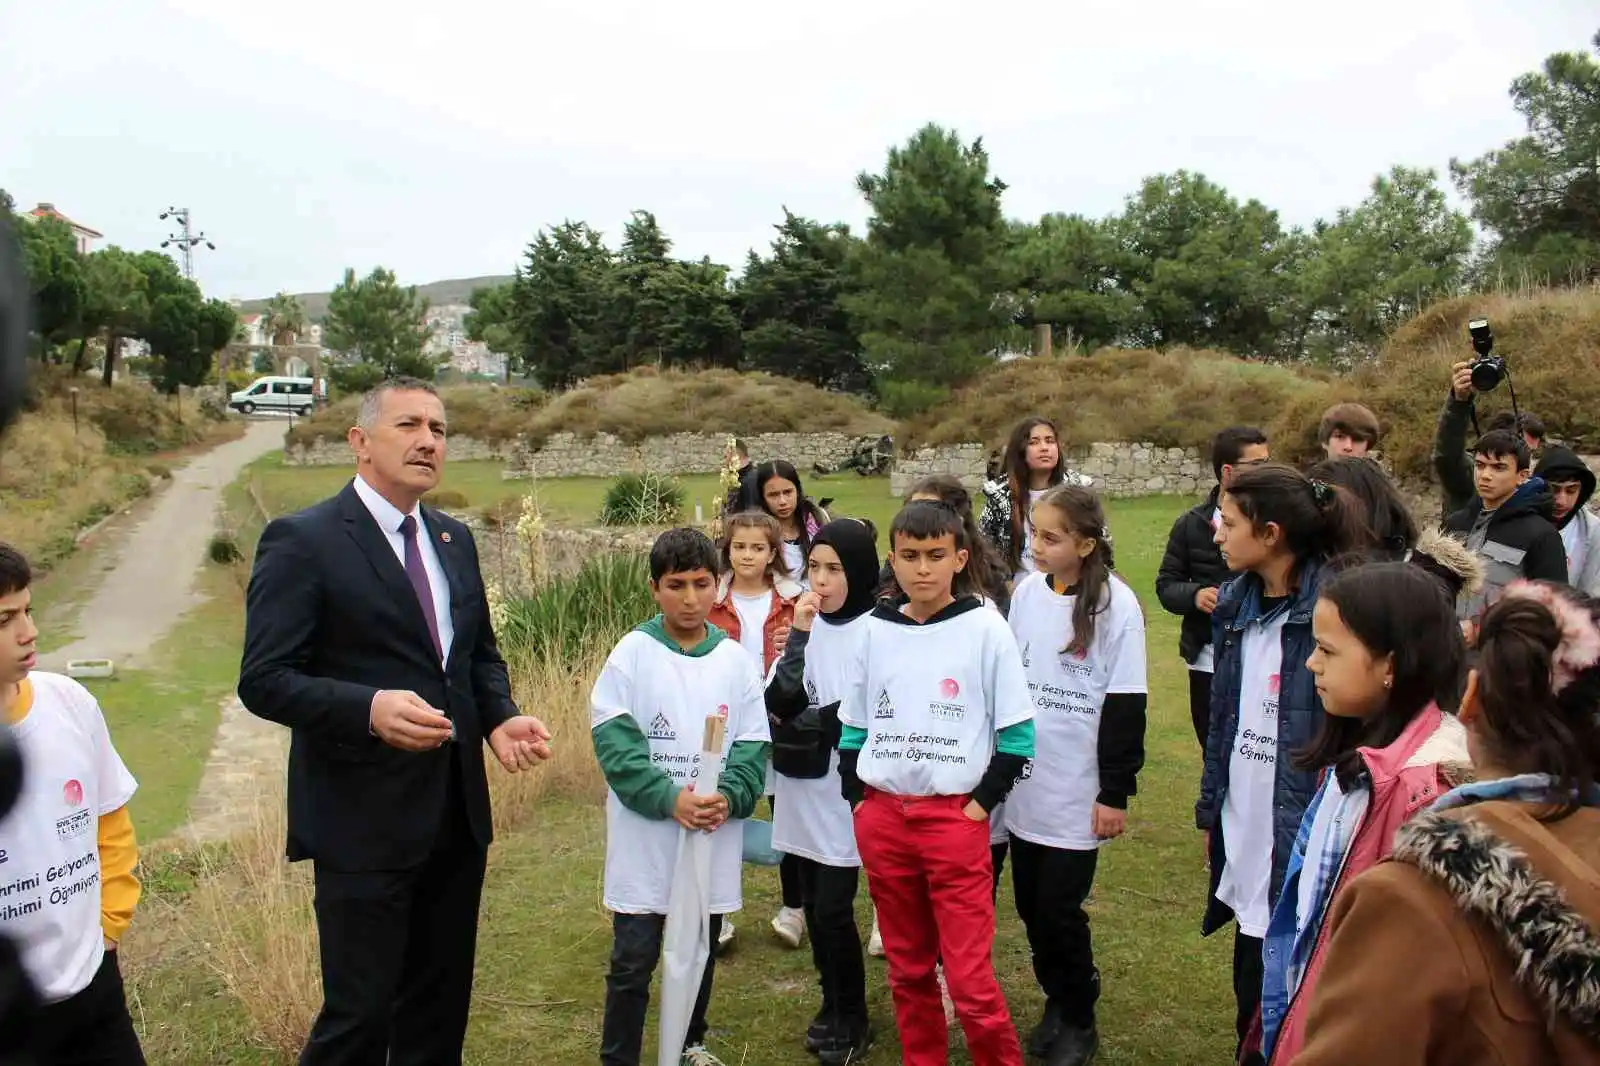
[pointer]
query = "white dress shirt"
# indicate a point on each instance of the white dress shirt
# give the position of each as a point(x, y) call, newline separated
point(389, 517)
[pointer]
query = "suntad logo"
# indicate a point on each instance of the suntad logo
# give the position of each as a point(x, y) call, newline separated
point(661, 728)
point(885, 706)
point(811, 693)
point(1027, 659)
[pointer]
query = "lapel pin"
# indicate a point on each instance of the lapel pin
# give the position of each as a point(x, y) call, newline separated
point(445, 536)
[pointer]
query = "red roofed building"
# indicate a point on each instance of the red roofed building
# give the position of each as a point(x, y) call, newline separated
point(84, 234)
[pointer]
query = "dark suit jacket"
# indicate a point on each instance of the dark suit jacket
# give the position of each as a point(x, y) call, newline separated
point(331, 619)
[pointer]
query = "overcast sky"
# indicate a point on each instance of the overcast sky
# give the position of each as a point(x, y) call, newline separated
point(437, 137)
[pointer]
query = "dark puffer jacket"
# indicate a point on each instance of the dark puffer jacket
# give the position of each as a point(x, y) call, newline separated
point(1192, 562)
point(1521, 542)
point(1299, 717)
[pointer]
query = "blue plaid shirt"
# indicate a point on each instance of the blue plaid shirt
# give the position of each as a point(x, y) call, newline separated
point(1286, 950)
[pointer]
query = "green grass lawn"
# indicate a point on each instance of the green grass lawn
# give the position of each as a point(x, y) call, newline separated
point(570, 501)
point(544, 936)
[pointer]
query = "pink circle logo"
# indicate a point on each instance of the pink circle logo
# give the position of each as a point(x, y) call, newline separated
point(949, 689)
point(1273, 683)
point(72, 794)
point(722, 711)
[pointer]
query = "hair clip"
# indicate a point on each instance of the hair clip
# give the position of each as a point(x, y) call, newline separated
point(1579, 647)
point(1321, 491)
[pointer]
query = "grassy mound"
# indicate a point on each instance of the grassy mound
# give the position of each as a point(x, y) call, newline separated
point(644, 402)
point(1550, 339)
point(1180, 397)
point(488, 413)
point(1171, 398)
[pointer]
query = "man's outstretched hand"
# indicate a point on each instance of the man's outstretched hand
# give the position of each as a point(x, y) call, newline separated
point(520, 743)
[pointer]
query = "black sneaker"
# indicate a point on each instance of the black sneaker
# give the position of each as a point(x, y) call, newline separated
point(848, 1046)
point(1043, 1037)
point(820, 1031)
point(1074, 1047)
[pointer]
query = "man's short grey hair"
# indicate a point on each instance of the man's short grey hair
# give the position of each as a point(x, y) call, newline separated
point(372, 399)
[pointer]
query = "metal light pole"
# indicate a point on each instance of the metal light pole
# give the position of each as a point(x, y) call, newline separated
point(184, 239)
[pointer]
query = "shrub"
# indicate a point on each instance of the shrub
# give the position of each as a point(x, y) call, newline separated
point(642, 500)
point(589, 610)
point(224, 549)
point(446, 499)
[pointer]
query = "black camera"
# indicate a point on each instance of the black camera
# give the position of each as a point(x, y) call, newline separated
point(1488, 370)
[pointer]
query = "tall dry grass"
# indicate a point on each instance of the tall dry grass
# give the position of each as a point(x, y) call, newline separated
point(54, 482)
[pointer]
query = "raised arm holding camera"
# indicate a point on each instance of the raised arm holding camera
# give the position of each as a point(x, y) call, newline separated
point(1453, 461)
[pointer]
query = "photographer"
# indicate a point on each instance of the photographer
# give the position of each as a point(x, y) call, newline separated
point(1451, 460)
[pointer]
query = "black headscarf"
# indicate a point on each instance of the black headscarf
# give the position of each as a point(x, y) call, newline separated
point(857, 546)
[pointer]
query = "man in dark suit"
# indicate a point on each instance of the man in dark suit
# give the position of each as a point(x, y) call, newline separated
point(367, 634)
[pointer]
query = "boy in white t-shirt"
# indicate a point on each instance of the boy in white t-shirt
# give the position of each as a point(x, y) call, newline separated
point(649, 708)
point(67, 850)
point(932, 737)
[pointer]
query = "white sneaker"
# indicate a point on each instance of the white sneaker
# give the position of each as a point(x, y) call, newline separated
point(790, 926)
point(725, 936)
point(698, 1056)
point(875, 941)
point(944, 998)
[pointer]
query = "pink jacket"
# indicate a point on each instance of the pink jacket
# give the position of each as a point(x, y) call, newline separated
point(1423, 763)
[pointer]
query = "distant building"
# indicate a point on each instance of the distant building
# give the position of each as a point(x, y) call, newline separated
point(447, 328)
point(85, 236)
point(475, 358)
point(253, 329)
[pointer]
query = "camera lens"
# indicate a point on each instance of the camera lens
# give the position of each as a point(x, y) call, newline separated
point(1487, 374)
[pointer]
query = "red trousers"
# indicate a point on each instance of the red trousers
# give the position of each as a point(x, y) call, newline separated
point(930, 873)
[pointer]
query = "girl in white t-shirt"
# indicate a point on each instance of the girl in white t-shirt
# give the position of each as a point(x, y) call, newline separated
point(813, 825)
point(1082, 638)
point(1277, 531)
point(755, 606)
point(935, 732)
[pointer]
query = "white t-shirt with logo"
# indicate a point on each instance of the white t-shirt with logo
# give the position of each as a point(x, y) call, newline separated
point(1028, 565)
point(49, 843)
point(1206, 661)
point(931, 698)
point(1246, 879)
point(1053, 803)
point(752, 612)
point(671, 694)
point(811, 818)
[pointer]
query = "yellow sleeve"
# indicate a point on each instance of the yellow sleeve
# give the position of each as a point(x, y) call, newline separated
point(119, 888)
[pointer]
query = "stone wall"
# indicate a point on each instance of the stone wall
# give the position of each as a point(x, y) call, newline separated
point(606, 455)
point(1137, 469)
point(326, 452)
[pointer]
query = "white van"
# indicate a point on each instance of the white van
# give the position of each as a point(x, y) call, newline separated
point(290, 395)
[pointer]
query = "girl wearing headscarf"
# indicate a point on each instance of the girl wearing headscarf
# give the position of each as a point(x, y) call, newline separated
point(814, 822)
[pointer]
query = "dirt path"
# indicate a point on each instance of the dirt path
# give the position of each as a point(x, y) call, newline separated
point(149, 582)
point(246, 763)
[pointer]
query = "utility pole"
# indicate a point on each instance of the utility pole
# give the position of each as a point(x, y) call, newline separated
point(184, 239)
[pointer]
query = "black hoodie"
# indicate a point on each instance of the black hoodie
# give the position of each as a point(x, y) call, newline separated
point(1562, 464)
